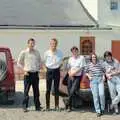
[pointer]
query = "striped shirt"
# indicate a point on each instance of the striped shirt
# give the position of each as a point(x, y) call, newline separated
point(95, 70)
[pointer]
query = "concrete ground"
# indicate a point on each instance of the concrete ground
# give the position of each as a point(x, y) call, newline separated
point(15, 112)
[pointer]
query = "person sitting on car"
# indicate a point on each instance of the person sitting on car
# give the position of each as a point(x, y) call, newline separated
point(112, 67)
point(75, 66)
point(95, 72)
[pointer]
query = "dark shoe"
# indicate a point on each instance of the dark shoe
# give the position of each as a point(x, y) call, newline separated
point(38, 109)
point(25, 110)
point(98, 114)
point(102, 112)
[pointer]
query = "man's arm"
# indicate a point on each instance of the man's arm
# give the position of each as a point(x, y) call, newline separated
point(77, 70)
point(20, 61)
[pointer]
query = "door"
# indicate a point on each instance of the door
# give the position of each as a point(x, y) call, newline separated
point(87, 45)
point(116, 49)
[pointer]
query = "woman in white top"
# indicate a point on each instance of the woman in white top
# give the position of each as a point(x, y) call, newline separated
point(95, 72)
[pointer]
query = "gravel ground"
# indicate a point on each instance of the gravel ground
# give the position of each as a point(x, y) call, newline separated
point(15, 112)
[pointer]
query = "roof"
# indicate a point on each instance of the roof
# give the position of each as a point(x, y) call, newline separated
point(44, 13)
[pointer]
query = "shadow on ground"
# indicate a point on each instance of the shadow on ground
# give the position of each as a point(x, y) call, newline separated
point(17, 102)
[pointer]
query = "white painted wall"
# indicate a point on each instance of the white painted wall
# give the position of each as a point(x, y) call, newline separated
point(106, 16)
point(16, 40)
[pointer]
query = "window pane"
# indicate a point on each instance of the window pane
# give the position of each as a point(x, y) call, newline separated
point(114, 5)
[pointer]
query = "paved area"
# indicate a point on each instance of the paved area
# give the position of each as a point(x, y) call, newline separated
point(14, 112)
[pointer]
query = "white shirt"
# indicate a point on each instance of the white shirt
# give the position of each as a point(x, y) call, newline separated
point(76, 63)
point(30, 60)
point(53, 60)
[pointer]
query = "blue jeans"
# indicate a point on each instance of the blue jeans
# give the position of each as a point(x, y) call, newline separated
point(97, 87)
point(114, 88)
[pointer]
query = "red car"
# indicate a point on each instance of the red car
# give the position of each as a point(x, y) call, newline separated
point(7, 77)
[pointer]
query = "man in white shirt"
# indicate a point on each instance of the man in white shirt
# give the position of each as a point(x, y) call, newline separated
point(53, 59)
point(30, 61)
point(76, 64)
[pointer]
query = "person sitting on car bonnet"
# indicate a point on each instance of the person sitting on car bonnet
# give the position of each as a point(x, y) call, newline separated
point(112, 67)
point(75, 67)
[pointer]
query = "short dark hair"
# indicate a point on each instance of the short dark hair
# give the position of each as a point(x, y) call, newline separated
point(31, 39)
point(107, 53)
point(74, 48)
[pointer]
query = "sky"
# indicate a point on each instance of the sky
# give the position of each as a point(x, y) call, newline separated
point(91, 5)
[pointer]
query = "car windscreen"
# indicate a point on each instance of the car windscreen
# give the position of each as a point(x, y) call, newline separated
point(3, 66)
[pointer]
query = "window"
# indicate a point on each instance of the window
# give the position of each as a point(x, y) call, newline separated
point(87, 45)
point(114, 5)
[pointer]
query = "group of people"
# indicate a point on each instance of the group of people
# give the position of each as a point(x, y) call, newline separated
point(30, 61)
point(97, 73)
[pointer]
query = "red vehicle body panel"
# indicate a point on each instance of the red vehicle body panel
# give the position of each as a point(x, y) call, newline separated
point(7, 86)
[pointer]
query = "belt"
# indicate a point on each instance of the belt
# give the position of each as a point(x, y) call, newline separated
point(53, 68)
point(32, 71)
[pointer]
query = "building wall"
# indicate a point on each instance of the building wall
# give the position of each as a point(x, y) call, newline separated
point(106, 15)
point(16, 40)
point(92, 7)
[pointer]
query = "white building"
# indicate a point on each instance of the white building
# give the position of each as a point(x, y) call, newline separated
point(67, 20)
point(107, 14)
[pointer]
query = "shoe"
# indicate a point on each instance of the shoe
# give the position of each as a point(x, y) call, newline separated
point(38, 109)
point(46, 109)
point(57, 109)
point(115, 113)
point(68, 110)
point(25, 110)
point(102, 112)
point(98, 114)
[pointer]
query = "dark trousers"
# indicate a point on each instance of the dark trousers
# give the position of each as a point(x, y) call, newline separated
point(31, 79)
point(52, 75)
point(73, 86)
